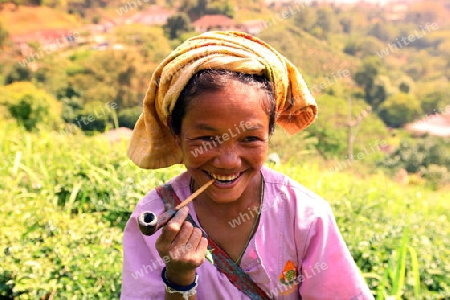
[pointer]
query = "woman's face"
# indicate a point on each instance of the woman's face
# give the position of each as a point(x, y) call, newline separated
point(224, 135)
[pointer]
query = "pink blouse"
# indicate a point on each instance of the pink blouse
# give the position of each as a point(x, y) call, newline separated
point(297, 251)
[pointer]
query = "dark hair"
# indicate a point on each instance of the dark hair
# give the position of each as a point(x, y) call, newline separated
point(216, 80)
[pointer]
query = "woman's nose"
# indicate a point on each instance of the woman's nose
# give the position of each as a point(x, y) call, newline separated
point(227, 159)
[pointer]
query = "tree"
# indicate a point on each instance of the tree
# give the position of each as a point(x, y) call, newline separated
point(352, 47)
point(95, 116)
point(305, 19)
point(406, 84)
point(17, 74)
point(31, 106)
point(383, 88)
point(71, 107)
point(152, 42)
point(177, 24)
point(353, 126)
point(52, 75)
point(324, 19)
point(400, 109)
point(194, 8)
point(129, 116)
point(363, 47)
point(4, 35)
point(217, 7)
point(383, 32)
point(434, 101)
point(198, 8)
point(327, 21)
point(366, 76)
point(112, 76)
point(347, 24)
point(418, 155)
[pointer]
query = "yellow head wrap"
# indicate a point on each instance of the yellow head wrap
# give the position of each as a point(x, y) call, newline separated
point(153, 146)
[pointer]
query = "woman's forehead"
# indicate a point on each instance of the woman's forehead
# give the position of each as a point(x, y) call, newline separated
point(235, 99)
point(228, 106)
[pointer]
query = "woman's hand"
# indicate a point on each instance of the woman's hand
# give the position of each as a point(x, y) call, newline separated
point(182, 248)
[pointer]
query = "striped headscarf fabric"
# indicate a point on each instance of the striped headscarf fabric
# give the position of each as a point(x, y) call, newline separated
point(153, 146)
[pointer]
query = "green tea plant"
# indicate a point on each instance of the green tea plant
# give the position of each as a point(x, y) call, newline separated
point(396, 272)
point(66, 199)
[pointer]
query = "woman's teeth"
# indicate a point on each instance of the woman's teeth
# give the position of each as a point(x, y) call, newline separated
point(224, 177)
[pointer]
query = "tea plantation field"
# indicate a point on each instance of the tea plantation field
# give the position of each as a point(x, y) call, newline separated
point(65, 201)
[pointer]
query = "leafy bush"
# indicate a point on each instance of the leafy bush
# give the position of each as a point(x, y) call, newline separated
point(30, 106)
point(18, 73)
point(373, 216)
point(52, 254)
point(65, 203)
point(419, 155)
point(176, 25)
point(129, 116)
point(436, 175)
point(66, 199)
point(71, 107)
point(363, 46)
point(330, 128)
point(400, 109)
point(434, 102)
point(95, 116)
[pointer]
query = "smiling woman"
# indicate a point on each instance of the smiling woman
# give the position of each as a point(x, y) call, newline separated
point(215, 116)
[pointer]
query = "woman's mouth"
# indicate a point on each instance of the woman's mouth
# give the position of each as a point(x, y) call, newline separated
point(224, 179)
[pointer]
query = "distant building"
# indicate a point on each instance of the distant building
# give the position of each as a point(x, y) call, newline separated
point(154, 15)
point(252, 27)
point(47, 37)
point(437, 124)
point(215, 22)
point(396, 11)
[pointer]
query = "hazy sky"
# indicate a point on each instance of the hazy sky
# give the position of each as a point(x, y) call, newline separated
point(339, 1)
point(353, 1)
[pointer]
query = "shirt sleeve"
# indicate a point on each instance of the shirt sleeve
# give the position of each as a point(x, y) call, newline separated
point(141, 269)
point(328, 271)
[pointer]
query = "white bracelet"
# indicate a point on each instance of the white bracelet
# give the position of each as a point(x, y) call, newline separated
point(186, 291)
point(186, 294)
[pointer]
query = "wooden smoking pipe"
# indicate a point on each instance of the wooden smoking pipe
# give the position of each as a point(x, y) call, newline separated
point(149, 223)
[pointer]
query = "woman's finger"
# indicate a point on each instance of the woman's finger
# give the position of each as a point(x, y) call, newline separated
point(173, 227)
point(202, 246)
point(195, 238)
point(183, 235)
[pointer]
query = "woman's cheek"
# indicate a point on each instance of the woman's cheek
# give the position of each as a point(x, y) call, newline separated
point(197, 155)
point(257, 151)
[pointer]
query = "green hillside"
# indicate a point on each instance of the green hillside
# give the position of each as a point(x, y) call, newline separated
point(314, 57)
point(25, 20)
point(62, 193)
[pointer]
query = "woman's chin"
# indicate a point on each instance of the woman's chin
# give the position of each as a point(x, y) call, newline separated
point(224, 197)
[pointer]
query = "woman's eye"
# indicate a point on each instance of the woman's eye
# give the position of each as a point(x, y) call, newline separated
point(206, 138)
point(251, 139)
